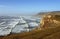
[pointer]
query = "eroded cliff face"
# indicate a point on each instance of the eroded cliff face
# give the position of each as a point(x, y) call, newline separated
point(50, 21)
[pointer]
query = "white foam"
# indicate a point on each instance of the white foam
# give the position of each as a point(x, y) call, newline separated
point(18, 25)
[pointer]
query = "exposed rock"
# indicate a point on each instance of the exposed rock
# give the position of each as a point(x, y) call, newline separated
point(50, 21)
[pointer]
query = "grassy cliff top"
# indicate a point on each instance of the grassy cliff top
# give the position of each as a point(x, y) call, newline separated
point(52, 12)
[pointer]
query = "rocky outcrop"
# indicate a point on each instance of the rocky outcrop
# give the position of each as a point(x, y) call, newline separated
point(50, 21)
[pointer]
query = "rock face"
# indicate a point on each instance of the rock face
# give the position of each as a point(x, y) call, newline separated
point(50, 21)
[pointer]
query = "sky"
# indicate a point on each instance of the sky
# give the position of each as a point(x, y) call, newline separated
point(28, 7)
